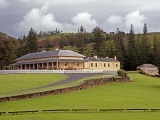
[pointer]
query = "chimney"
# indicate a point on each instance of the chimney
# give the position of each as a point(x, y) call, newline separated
point(43, 50)
point(56, 49)
point(95, 56)
point(115, 57)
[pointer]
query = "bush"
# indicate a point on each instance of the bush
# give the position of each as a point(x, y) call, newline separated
point(122, 73)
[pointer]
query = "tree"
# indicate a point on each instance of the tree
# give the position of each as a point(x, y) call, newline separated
point(145, 28)
point(21, 49)
point(81, 29)
point(131, 53)
point(31, 42)
point(99, 40)
point(8, 47)
point(120, 51)
point(145, 47)
point(156, 52)
point(80, 43)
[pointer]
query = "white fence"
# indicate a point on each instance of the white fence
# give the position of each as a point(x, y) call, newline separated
point(105, 73)
point(48, 71)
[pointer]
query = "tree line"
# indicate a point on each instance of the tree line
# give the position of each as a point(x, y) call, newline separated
point(130, 49)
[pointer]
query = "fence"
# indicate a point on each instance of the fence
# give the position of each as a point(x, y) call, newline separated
point(54, 71)
point(81, 111)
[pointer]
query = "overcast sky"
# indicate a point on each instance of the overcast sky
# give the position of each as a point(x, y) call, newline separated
point(18, 16)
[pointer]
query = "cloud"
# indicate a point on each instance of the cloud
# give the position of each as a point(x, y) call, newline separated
point(3, 3)
point(56, 2)
point(38, 19)
point(115, 19)
point(135, 18)
point(84, 19)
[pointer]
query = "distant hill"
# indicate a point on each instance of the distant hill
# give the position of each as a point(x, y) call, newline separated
point(69, 40)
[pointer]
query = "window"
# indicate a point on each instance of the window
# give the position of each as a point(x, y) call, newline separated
point(104, 64)
point(65, 64)
point(108, 65)
point(116, 65)
point(91, 64)
point(95, 64)
point(77, 63)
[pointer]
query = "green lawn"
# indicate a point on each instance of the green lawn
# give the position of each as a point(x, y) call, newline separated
point(18, 82)
point(86, 116)
point(143, 92)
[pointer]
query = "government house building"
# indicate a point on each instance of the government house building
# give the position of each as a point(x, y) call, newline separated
point(64, 60)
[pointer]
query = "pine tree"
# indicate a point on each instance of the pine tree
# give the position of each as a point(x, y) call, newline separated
point(81, 29)
point(131, 53)
point(156, 52)
point(145, 29)
point(31, 42)
point(99, 40)
point(145, 47)
point(120, 48)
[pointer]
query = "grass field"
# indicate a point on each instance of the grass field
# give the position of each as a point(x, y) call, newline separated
point(143, 92)
point(19, 82)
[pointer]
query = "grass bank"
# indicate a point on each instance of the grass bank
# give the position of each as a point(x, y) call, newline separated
point(143, 92)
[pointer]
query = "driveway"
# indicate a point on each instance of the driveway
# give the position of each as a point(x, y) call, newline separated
point(72, 77)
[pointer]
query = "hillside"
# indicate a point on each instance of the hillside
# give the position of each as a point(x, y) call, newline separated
point(142, 48)
point(71, 41)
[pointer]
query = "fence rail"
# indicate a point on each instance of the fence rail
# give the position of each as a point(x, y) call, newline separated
point(52, 71)
point(80, 111)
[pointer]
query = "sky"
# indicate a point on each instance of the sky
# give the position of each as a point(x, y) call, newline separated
point(18, 16)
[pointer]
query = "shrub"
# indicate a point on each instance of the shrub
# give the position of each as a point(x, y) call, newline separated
point(122, 73)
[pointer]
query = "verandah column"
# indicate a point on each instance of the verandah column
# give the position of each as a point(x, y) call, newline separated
point(70, 65)
point(33, 66)
point(47, 65)
point(57, 65)
point(52, 65)
point(37, 66)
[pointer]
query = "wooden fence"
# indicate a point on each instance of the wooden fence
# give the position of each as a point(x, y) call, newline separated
point(82, 110)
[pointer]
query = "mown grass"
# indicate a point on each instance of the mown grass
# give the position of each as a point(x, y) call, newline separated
point(143, 92)
point(25, 79)
point(20, 82)
point(86, 116)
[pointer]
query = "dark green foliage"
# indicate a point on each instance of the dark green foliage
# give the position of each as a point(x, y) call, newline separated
point(8, 48)
point(122, 73)
point(99, 40)
point(131, 51)
point(31, 42)
point(145, 28)
point(145, 47)
point(156, 51)
point(120, 50)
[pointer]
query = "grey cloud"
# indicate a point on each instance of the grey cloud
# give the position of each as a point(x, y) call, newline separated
point(3, 3)
point(62, 14)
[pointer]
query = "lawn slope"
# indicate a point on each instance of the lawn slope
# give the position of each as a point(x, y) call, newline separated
point(20, 82)
point(143, 92)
